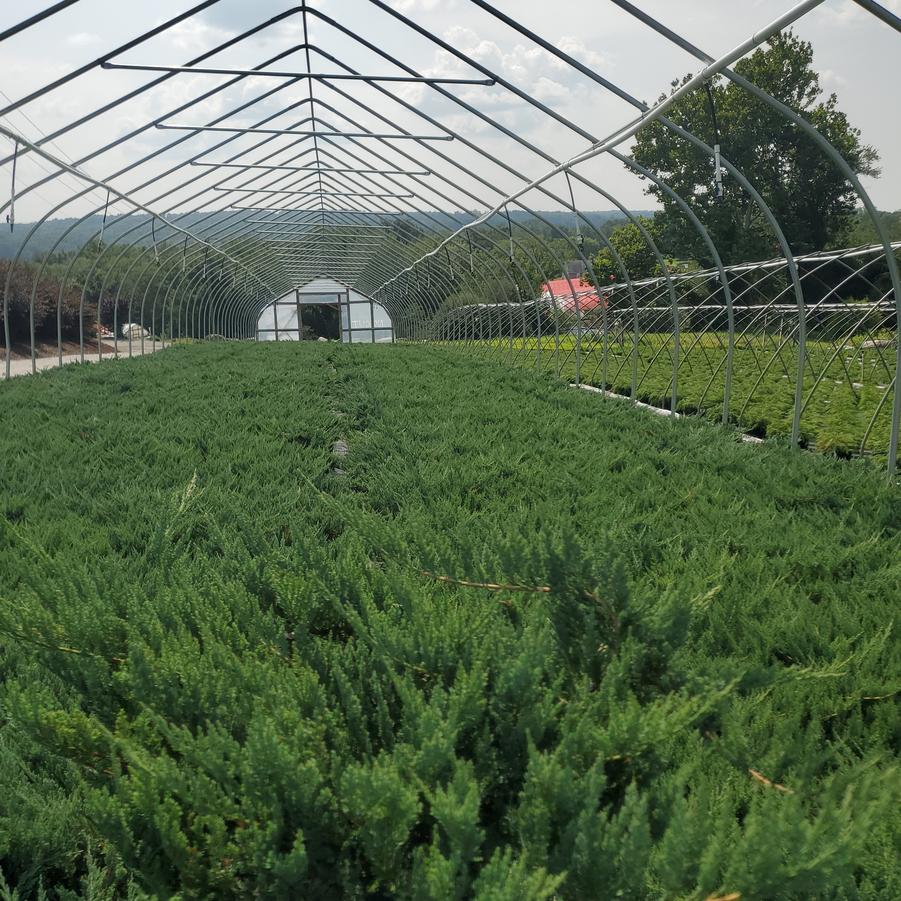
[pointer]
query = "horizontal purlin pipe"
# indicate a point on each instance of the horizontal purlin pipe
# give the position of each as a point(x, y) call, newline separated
point(306, 134)
point(630, 130)
point(309, 193)
point(325, 169)
point(316, 76)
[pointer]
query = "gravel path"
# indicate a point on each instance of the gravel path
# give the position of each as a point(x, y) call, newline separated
point(23, 367)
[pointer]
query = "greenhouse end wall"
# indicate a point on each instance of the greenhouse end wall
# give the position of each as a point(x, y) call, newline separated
point(361, 320)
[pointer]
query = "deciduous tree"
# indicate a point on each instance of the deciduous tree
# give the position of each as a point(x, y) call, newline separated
point(811, 198)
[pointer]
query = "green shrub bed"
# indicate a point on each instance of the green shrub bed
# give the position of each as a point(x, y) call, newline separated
point(518, 642)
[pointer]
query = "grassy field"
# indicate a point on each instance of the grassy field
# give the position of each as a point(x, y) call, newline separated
point(516, 643)
point(843, 391)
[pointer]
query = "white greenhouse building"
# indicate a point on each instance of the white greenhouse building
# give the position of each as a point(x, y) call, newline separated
point(326, 308)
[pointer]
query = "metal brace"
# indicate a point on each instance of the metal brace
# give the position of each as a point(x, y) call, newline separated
point(156, 250)
point(509, 232)
point(580, 239)
point(11, 215)
point(103, 223)
point(717, 160)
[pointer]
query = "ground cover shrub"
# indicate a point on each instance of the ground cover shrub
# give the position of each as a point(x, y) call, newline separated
point(517, 643)
point(846, 406)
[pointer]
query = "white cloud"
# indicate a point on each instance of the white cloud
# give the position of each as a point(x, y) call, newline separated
point(849, 13)
point(531, 69)
point(195, 36)
point(82, 39)
point(546, 90)
point(853, 52)
point(831, 79)
point(576, 49)
point(408, 6)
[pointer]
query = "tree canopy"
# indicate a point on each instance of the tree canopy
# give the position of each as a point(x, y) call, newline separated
point(634, 250)
point(812, 200)
point(864, 231)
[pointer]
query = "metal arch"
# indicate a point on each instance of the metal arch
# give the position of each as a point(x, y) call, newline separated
point(824, 144)
point(371, 214)
point(467, 171)
point(392, 179)
point(269, 258)
point(250, 214)
point(481, 152)
point(86, 217)
point(265, 254)
point(138, 227)
point(176, 295)
point(623, 95)
point(456, 100)
point(65, 278)
point(833, 155)
point(652, 245)
point(444, 196)
point(63, 166)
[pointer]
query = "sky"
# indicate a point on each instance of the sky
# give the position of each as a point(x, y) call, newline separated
point(857, 56)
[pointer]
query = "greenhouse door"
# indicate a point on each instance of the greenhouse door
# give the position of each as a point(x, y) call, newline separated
point(320, 315)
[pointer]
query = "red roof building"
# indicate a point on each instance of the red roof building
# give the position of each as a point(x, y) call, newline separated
point(562, 290)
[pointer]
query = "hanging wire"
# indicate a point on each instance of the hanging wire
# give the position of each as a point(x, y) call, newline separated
point(156, 251)
point(11, 215)
point(37, 161)
point(103, 223)
point(717, 165)
point(580, 240)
